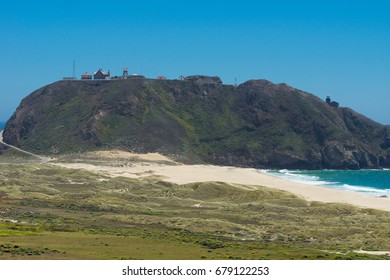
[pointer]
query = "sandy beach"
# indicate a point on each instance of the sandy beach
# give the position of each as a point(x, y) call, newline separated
point(168, 170)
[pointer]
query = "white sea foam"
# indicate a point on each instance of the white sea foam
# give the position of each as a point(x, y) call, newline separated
point(297, 176)
point(294, 176)
point(366, 190)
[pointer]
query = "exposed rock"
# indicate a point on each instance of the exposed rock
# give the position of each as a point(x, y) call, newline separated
point(204, 79)
point(256, 124)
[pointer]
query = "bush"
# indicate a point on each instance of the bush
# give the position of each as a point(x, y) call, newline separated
point(212, 244)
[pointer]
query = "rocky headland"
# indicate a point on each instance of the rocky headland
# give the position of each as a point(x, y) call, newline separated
point(199, 120)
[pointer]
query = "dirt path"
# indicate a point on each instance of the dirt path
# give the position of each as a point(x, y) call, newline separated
point(42, 158)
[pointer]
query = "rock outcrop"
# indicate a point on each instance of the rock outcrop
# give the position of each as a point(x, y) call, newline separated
point(256, 124)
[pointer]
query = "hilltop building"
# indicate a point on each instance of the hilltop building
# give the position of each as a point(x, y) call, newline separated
point(86, 76)
point(125, 72)
point(101, 75)
point(331, 103)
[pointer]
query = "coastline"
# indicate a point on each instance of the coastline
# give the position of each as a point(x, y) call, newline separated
point(168, 170)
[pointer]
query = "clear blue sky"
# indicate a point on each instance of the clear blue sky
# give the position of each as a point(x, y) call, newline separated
point(340, 48)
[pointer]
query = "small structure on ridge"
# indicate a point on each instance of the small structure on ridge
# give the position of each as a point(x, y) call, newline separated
point(86, 76)
point(331, 103)
point(101, 75)
point(125, 72)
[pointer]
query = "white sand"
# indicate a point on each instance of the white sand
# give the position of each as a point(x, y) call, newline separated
point(182, 174)
point(117, 154)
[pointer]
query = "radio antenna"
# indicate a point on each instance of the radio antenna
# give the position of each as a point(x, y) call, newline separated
point(74, 69)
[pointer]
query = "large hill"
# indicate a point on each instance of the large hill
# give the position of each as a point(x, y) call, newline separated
point(256, 124)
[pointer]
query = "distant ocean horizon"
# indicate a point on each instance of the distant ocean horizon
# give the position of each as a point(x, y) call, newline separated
point(369, 182)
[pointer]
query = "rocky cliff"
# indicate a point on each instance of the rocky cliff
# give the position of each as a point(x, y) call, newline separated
point(256, 124)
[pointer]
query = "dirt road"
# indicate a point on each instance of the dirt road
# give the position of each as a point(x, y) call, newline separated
point(42, 158)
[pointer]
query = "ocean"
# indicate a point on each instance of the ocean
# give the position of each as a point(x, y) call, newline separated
point(370, 182)
point(2, 125)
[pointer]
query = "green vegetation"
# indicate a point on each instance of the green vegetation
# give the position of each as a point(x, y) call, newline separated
point(257, 124)
point(47, 212)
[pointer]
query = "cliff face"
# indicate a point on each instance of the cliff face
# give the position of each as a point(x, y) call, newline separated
point(257, 124)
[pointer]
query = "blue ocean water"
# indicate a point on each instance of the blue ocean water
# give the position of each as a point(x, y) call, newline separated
point(2, 125)
point(370, 182)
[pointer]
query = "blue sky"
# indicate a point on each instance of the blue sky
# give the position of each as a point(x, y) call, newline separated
point(337, 48)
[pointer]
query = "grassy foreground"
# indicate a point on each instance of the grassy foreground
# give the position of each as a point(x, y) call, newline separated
point(47, 212)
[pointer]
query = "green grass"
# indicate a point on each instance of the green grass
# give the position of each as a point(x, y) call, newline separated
point(47, 212)
point(257, 124)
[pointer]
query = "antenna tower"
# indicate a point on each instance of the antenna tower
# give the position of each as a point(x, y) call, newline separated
point(74, 69)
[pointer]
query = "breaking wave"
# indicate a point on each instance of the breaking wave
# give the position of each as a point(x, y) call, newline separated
point(373, 182)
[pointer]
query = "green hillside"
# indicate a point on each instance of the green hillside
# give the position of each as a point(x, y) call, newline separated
point(257, 123)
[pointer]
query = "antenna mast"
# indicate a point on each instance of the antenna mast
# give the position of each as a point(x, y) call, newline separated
point(74, 69)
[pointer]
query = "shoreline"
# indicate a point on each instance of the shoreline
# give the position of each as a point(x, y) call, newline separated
point(329, 179)
point(158, 165)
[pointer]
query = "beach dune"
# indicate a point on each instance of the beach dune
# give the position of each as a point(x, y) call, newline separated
point(168, 170)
